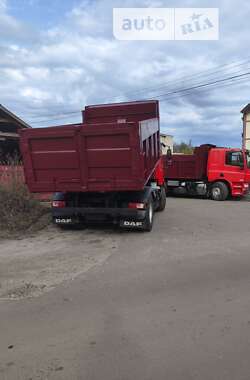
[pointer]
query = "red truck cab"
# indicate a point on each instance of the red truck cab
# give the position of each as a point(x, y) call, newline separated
point(212, 171)
point(229, 166)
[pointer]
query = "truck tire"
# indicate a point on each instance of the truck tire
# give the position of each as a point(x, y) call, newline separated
point(219, 191)
point(162, 201)
point(149, 219)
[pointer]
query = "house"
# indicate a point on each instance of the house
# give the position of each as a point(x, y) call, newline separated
point(9, 138)
point(246, 127)
point(167, 141)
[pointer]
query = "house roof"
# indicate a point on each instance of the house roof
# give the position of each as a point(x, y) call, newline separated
point(246, 109)
point(7, 118)
point(10, 124)
point(166, 135)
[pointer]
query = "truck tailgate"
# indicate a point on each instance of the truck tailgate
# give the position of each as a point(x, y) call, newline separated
point(82, 158)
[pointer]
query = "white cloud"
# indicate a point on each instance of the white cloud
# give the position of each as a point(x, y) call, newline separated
point(78, 61)
point(35, 94)
point(14, 75)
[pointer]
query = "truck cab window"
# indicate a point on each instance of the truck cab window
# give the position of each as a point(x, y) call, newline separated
point(234, 159)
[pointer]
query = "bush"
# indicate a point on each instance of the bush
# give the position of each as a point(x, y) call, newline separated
point(18, 209)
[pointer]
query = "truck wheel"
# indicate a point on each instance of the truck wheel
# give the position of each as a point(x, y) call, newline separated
point(162, 201)
point(148, 222)
point(219, 191)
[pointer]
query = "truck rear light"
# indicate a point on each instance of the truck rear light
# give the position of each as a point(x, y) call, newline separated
point(58, 204)
point(136, 205)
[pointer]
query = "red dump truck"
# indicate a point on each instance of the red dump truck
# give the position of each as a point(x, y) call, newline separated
point(107, 168)
point(215, 172)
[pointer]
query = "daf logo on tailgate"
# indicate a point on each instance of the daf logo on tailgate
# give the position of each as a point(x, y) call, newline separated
point(132, 224)
point(63, 221)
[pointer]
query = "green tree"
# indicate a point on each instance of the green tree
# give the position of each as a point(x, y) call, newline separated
point(185, 148)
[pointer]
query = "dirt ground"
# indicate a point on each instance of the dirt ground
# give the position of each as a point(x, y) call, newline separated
point(35, 263)
point(112, 305)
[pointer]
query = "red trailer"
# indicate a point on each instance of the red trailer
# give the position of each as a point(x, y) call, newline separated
point(109, 167)
point(212, 171)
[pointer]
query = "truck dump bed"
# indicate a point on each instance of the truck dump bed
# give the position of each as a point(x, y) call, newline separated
point(188, 166)
point(116, 148)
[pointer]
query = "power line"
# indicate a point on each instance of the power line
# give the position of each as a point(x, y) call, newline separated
point(58, 117)
point(57, 114)
point(199, 74)
point(201, 90)
point(65, 115)
point(182, 79)
point(203, 85)
point(180, 92)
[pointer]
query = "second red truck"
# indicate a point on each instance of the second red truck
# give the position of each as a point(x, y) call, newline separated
point(215, 172)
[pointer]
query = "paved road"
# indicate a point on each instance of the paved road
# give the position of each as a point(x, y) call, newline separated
point(173, 304)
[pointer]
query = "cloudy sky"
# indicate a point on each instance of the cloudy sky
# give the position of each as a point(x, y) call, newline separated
point(56, 56)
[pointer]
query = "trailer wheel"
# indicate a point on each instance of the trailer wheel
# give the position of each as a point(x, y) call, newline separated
point(148, 222)
point(162, 201)
point(219, 191)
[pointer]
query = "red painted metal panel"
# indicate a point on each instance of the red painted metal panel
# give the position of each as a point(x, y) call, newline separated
point(116, 149)
point(121, 112)
point(188, 166)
